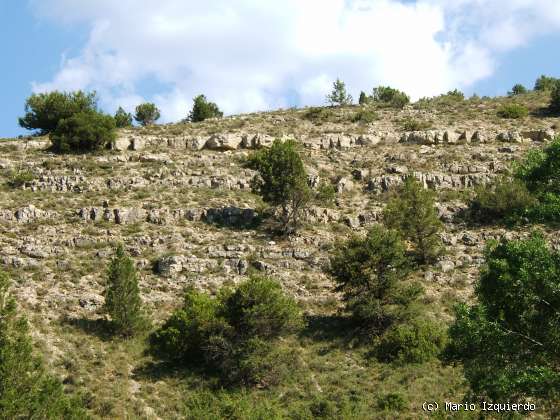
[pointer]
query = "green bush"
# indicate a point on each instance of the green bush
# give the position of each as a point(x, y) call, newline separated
point(147, 114)
point(508, 342)
point(517, 89)
point(364, 99)
point(512, 111)
point(545, 83)
point(84, 132)
point(505, 199)
point(235, 335)
point(365, 116)
point(391, 402)
point(416, 341)
point(319, 115)
point(18, 178)
point(339, 96)
point(122, 295)
point(389, 96)
point(282, 181)
point(540, 170)
point(555, 97)
point(455, 94)
point(43, 111)
point(123, 119)
point(27, 391)
point(369, 272)
point(412, 212)
point(202, 110)
point(411, 124)
point(326, 194)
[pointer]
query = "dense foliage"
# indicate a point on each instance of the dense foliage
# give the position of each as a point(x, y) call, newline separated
point(26, 389)
point(369, 272)
point(339, 96)
point(147, 114)
point(412, 211)
point(235, 335)
point(509, 342)
point(545, 83)
point(555, 97)
point(512, 111)
point(282, 181)
point(389, 96)
point(517, 89)
point(123, 119)
point(84, 132)
point(43, 111)
point(122, 295)
point(203, 109)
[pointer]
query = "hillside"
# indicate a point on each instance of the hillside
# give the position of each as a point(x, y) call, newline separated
point(179, 198)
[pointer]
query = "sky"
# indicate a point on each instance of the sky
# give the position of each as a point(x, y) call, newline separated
point(256, 55)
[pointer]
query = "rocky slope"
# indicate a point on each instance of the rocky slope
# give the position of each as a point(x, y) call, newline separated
point(179, 198)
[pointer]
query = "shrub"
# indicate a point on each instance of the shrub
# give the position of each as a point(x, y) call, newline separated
point(147, 114)
point(512, 111)
point(122, 295)
point(392, 402)
point(508, 341)
point(319, 115)
point(416, 341)
point(84, 132)
point(202, 110)
point(26, 390)
point(369, 272)
point(326, 194)
point(339, 96)
point(364, 99)
point(123, 119)
point(43, 111)
point(505, 199)
point(390, 96)
point(235, 334)
point(365, 116)
point(18, 178)
point(517, 89)
point(540, 171)
point(411, 124)
point(455, 94)
point(545, 83)
point(282, 181)
point(555, 97)
point(414, 214)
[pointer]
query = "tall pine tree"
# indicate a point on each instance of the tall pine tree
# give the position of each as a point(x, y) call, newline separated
point(122, 295)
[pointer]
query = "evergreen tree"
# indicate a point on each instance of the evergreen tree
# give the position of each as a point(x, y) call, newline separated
point(555, 97)
point(147, 114)
point(43, 111)
point(517, 89)
point(26, 390)
point(369, 272)
point(339, 96)
point(364, 99)
point(123, 119)
point(413, 213)
point(122, 295)
point(509, 341)
point(203, 109)
point(282, 181)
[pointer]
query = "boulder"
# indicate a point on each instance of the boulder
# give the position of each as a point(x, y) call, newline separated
point(224, 141)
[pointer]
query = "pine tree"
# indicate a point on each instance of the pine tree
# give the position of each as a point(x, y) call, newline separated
point(26, 390)
point(339, 96)
point(413, 213)
point(123, 119)
point(122, 295)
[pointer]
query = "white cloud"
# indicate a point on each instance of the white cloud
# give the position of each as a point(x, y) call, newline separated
point(254, 54)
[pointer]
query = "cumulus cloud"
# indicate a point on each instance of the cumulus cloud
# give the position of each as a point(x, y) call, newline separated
point(255, 55)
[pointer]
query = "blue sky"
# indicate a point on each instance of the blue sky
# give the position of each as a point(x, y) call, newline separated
point(252, 55)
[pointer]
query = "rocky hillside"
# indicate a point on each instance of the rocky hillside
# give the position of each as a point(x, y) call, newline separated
point(179, 198)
